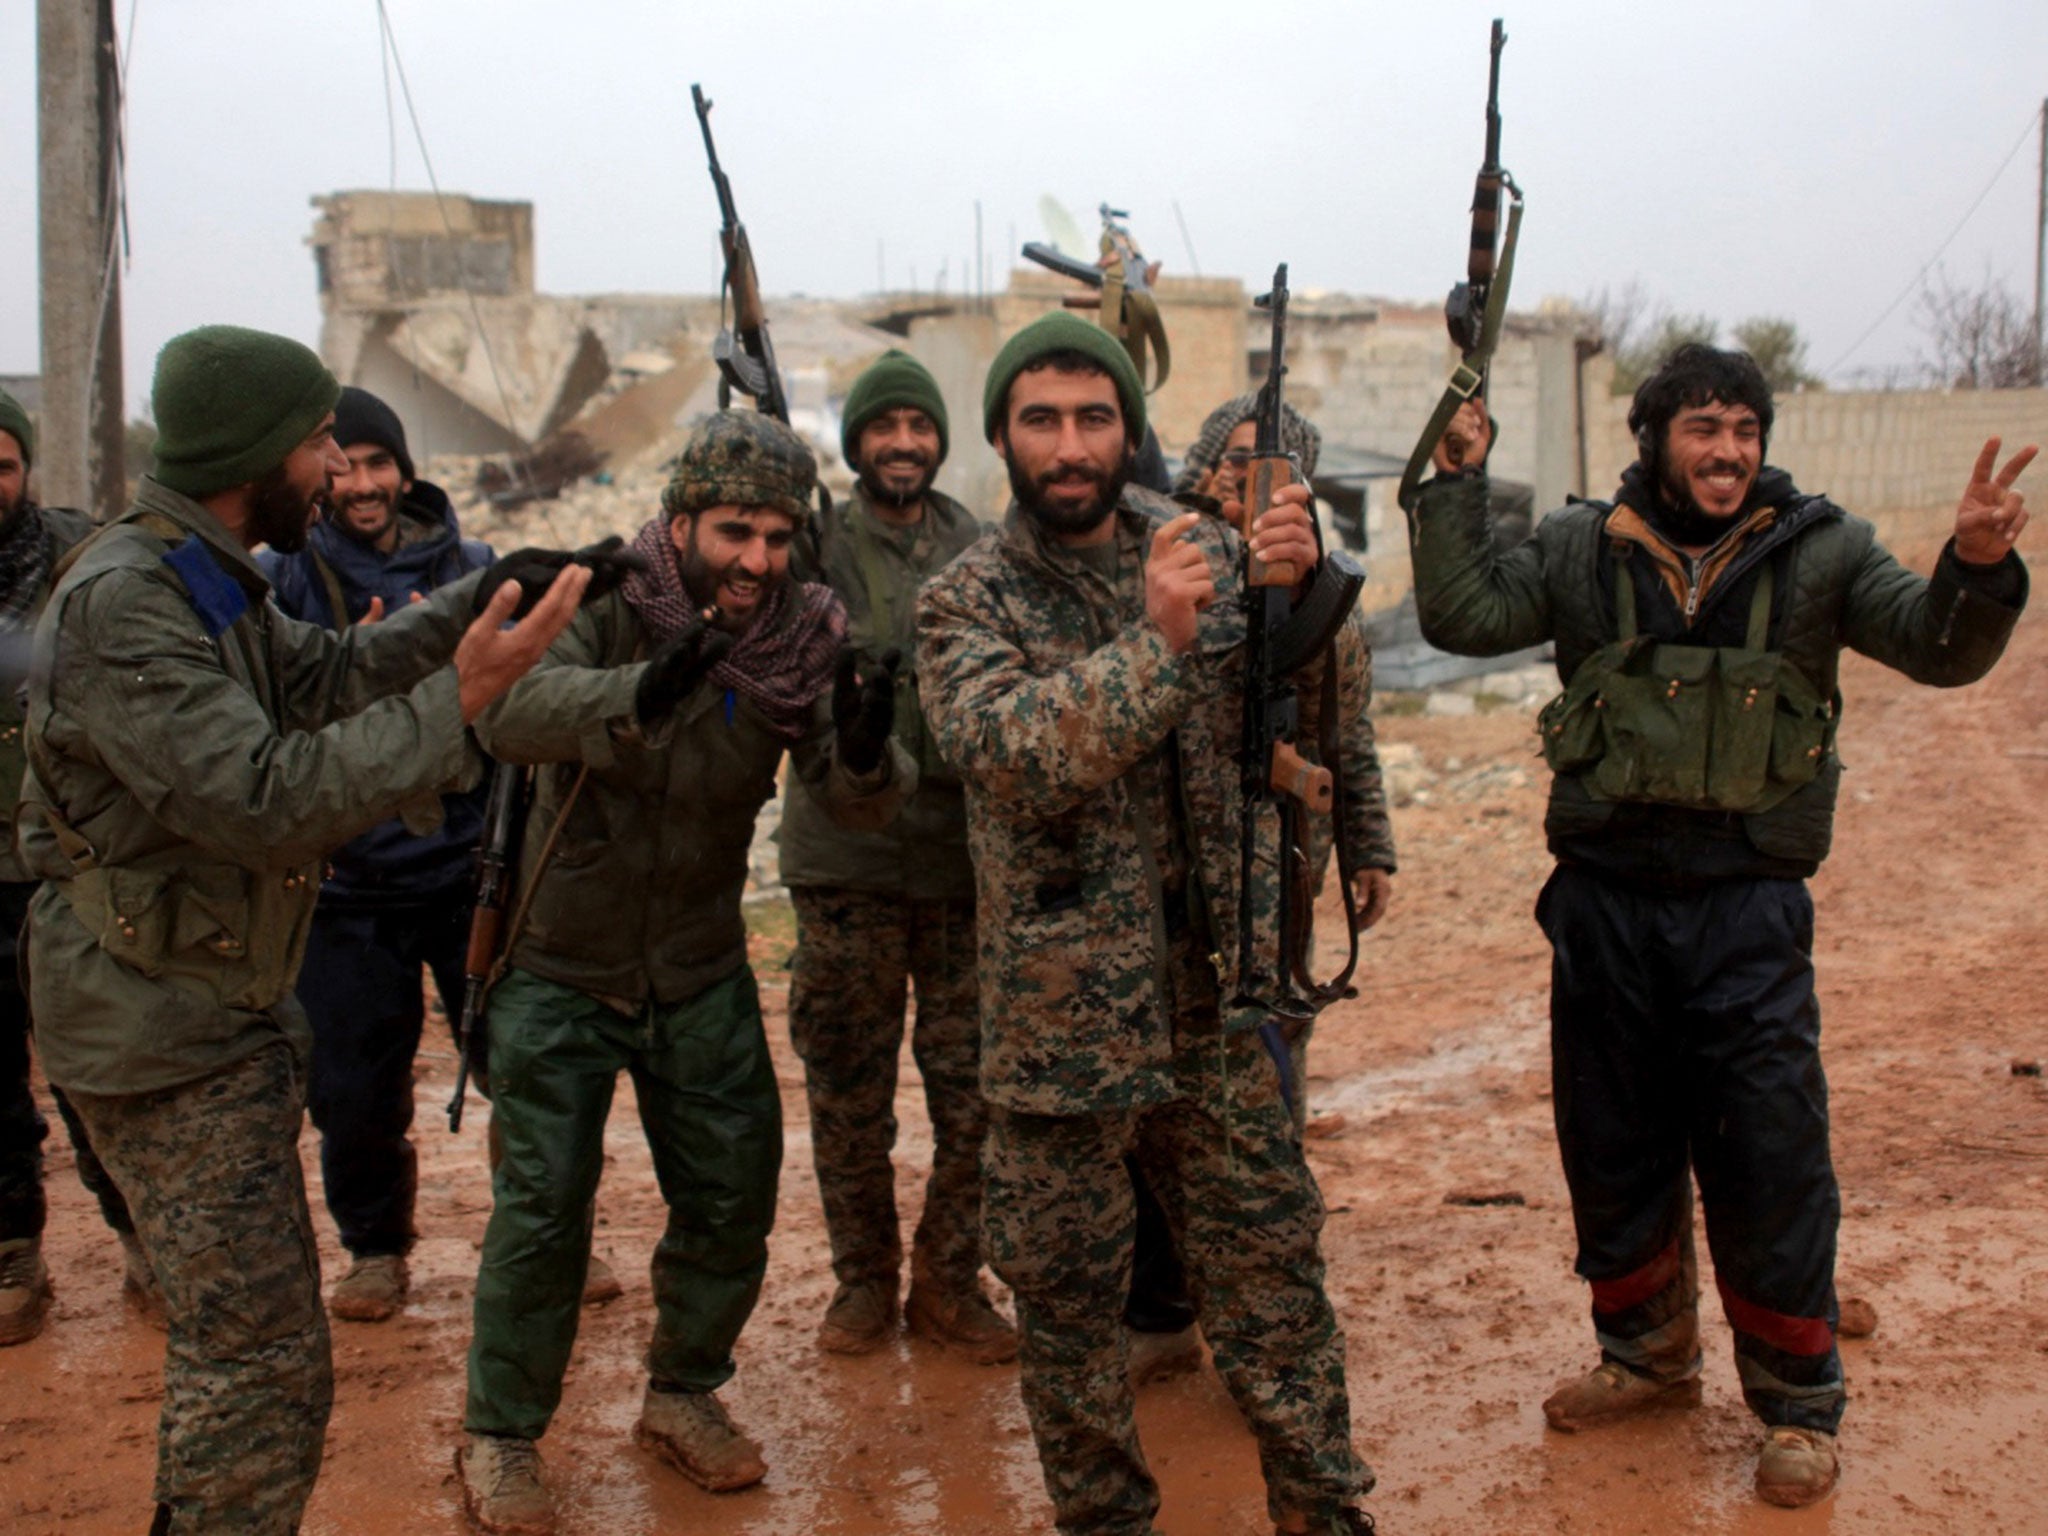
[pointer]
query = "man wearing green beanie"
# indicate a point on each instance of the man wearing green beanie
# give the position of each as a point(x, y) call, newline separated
point(880, 913)
point(193, 757)
point(1083, 673)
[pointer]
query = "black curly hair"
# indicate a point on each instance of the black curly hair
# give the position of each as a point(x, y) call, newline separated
point(1695, 375)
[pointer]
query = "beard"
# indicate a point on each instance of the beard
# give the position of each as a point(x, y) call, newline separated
point(342, 515)
point(1685, 520)
point(702, 580)
point(1059, 518)
point(879, 491)
point(280, 514)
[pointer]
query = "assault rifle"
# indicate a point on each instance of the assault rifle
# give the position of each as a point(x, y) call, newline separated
point(745, 356)
point(1476, 307)
point(497, 860)
point(1280, 638)
point(1124, 303)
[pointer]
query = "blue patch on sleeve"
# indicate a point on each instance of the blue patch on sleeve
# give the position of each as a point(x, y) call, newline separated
point(216, 596)
point(731, 701)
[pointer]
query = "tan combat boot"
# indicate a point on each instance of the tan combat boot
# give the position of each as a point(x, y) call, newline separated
point(600, 1285)
point(961, 1318)
point(692, 1432)
point(1612, 1391)
point(1348, 1521)
point(502, 1488)
point(861, 1319)
point(1163, 1356)
point(139, 1289)
point(1798, 1466)
point(373, 1289)
point(25, 1290)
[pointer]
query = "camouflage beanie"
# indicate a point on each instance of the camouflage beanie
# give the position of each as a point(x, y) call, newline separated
point(741, 459)
point(1298, 436)
point(14, 421)
point(1062, 332)
point(893, 379)
point(232, 403)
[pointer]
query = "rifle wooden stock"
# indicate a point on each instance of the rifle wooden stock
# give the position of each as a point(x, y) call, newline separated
point(1262, 478)
point(749, 314)
point(1479, 264)
point(1290, 774)
point(485, 924)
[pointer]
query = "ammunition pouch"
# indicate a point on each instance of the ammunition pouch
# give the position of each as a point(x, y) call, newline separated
point(1721, 728)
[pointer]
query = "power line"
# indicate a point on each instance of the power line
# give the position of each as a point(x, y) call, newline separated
point(1927, 266)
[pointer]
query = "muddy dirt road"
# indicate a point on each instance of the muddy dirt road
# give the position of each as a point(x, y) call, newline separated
point(1933, 950)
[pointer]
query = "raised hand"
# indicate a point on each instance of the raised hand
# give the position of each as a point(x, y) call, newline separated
point(677, 668)
point(864, 709)
point(1465, 440)
point(490, 658)
point(607, 561)
point(1178, 582)
point(1991, 514)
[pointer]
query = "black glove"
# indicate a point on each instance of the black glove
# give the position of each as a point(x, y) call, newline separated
point(677, 667)
point(535, 570)
point(864, 710)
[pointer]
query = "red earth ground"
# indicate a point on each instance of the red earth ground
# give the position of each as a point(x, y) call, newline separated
point(1459, 1317)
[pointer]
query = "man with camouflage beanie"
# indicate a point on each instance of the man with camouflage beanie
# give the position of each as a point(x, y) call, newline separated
point(193, 757)
point(628, 951)
point(880, 912)
point(1083, 672)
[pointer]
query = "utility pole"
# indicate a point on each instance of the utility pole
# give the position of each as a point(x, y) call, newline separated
point(79, 460)
point(2041, 254)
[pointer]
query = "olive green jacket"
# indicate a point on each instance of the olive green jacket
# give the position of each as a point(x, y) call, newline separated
point(1838, 588)
point(876, 570)
point(193, 755)
point(62, 529)
point(639, 899)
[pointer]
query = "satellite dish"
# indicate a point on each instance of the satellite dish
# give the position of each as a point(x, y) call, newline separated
point(1061, 229)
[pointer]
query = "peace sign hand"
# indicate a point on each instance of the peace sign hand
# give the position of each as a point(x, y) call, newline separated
point(1991, 514)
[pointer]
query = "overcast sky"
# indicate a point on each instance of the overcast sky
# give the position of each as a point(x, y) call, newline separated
point(1740, 159)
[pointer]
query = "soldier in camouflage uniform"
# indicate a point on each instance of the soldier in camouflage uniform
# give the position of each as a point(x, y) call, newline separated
point(32, 540)
point(1083, 673)
point(701, 675)
point(880, 911)
point(193, 756)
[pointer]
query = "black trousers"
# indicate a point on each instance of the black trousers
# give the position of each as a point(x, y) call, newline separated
point(362, 989)
point(23, 1209)
point(1685, 1043)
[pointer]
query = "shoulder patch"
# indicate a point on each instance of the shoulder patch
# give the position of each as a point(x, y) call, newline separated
point(216, 596)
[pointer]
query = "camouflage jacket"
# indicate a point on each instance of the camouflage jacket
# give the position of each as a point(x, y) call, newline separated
point(640, 898)
point(193, 756)
point(876, 570)
point(62, 529)
point(1046, 690)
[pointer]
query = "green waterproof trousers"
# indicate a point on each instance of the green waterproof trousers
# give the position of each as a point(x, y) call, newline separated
point(708, 1104)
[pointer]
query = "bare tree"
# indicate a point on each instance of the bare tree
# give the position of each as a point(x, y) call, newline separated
point(1640, 334)
point(1779, 350)
point(1983, 337)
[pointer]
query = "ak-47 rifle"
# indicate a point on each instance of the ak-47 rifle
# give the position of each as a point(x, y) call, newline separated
point(1124, 303)
point(1476, 307)
point(745, 356)
point(1281, 637)
point(497, 860)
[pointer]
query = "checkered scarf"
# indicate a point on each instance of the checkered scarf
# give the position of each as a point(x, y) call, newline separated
point(24, 562)
point(780, 663)
point(1298, 435)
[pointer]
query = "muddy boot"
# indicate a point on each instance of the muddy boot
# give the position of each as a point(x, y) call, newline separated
point(692, 1433)
point(1612, 1391)
point(600, 1285)
point(1858, 1318)
point(502, 1487)
point(1349, 1521)
point(25, 1290)
point(1163, 1356)
point(961, 1318)
point(861, 1319)
point(374, 1288)
point(139, 1289)
point(1798, 1466)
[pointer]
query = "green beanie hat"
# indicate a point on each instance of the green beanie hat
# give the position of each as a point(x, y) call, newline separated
point(893, 379)
point(14, 420)
point(232, 403)
point(1062, 332)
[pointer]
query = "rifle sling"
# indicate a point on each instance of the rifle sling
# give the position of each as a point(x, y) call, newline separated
point(524, 908)
point(1470, 373)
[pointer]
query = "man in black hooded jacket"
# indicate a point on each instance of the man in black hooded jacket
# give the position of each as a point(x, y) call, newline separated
point(1699, 621)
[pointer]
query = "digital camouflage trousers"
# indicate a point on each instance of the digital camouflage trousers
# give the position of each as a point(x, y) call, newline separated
point(857, 956)
point(211, 1172)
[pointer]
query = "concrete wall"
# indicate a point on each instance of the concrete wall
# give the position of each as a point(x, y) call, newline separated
point(1880, 454)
